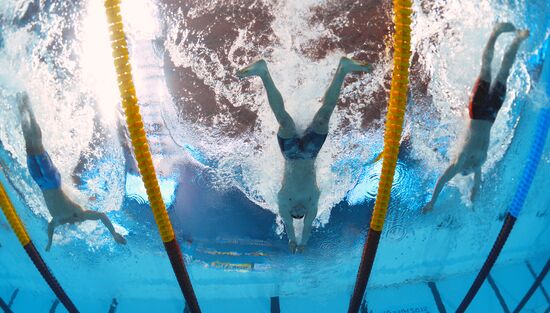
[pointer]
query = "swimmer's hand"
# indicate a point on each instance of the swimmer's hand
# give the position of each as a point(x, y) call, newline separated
point(300, 249)
point(292, 245)
point(428, 207)
point(378, 157)
point(48, 247)
point(118, 238)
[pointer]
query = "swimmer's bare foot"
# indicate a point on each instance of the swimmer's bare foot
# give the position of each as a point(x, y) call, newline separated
point(348, 65)
point(300, 249)
point(503, 28)
point(119, 238)
point(258, 68)
point(522, 34)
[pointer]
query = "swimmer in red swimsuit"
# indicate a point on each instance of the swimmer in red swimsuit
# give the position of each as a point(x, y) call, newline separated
point(62, 209)
point(299, 194)
point(485, 103)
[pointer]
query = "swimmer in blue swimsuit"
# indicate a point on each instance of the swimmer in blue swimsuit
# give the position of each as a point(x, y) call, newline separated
point(62, 209)
point(299, 194)
point(485, 102)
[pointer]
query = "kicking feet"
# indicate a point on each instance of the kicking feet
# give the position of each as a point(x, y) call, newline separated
point(23, 101)
point(119, 238)
point(348, 65)
point(503, 28)
point(258, 68)
point(522, 34)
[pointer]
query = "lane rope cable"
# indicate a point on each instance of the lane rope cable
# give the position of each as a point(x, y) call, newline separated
point(392, 137)
point(19, 229)
point(143, 156)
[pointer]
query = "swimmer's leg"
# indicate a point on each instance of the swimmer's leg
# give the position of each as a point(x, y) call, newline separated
point(489, 50)
point(31, 130)
point(510, 56)
point(322, 117)
point(287, 128)
point(94, 215)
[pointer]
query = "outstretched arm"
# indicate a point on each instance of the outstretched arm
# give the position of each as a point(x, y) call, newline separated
point(51, 226)
point(477, 184)
point(94, 215)
point(289, 227)
point(451, 171)
point(308, 224)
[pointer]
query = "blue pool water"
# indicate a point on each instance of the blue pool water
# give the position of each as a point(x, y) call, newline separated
point(214, 148)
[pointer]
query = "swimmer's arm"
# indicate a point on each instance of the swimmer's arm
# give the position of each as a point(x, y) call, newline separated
point(451, 171)
point(289, 226)
point(477, 184)
point(51, 226)
point(308, 223)
point(94, 215)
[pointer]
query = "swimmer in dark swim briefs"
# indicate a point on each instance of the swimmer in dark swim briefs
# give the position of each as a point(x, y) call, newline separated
point(62, 209)
point(299, 194)
point(485, 103)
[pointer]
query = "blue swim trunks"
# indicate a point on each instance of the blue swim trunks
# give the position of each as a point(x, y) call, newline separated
point(302, 148)
point(42, 170)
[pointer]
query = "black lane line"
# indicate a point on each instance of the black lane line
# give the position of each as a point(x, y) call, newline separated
point(275, 305)
point(48, 276)
point(13, 296)
point(186, 309)
point(182, 276)
point(113, 306)
point(541, 285)
point(534, 287)
point(498, 294)
point(507, 226)
point(365, 268)
point(364, 306)
point(54, 306)
point(5, 307)
point(437, 297)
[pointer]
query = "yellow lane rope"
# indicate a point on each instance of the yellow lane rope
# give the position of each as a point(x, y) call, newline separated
point(134, 120)
point(396, 108)
point(14, 220)
point(19, 229)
